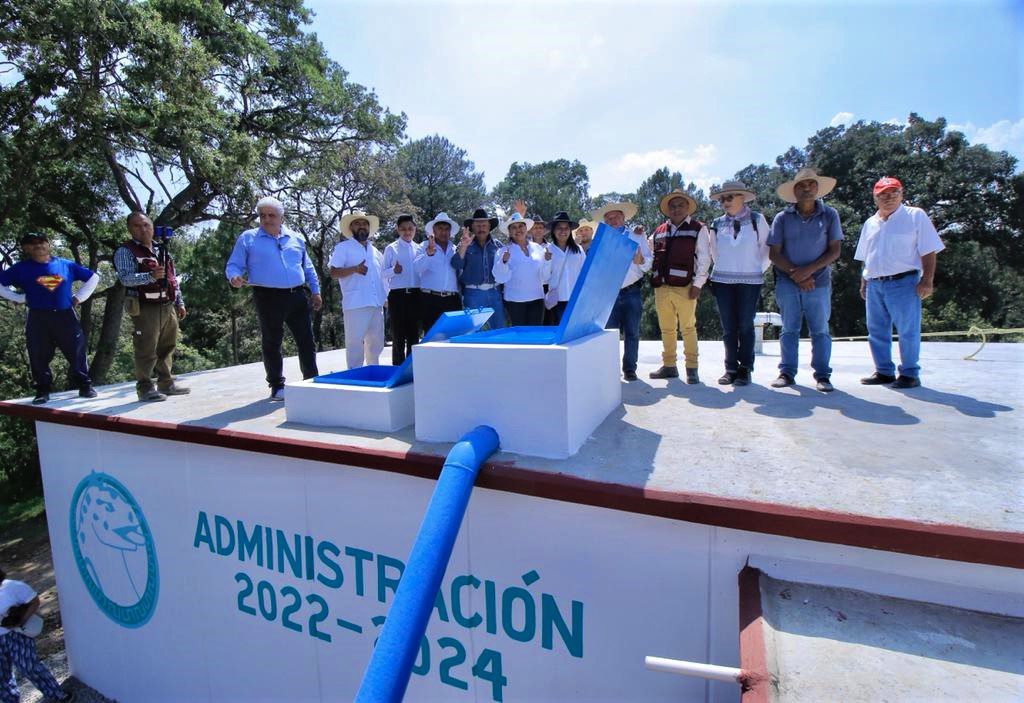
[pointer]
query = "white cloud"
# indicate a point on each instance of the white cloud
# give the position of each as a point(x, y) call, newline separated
point(844, 119)
point(625, 173)
point(1001, 136)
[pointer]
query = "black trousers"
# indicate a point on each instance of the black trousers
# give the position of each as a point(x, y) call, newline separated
point(432, 306)
point(277, 307)
point(404, 316)
point(553, 316)
point(530, 313)
point(49, 330)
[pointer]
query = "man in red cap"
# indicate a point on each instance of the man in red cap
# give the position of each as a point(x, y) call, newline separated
point(898, 245)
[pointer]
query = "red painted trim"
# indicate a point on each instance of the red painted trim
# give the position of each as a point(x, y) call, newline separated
point(755, 677)
point(940, 541)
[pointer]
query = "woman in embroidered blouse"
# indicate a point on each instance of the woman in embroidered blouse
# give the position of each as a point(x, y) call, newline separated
point(523, 267)
point(739, 252)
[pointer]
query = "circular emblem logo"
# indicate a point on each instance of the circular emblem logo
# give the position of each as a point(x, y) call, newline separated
point(114, 550)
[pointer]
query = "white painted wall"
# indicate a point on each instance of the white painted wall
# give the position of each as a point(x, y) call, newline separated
point(648, 586)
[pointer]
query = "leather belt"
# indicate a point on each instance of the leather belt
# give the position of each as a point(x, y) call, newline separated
point(482, 286)
point(895, 276)
point(405, 290)
point(442, 293)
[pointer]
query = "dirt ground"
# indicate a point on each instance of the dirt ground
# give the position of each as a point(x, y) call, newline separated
point(25, 555)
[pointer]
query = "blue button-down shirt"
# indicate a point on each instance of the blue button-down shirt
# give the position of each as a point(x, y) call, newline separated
point(272, 262)
point(475, 268)
point(803, 239)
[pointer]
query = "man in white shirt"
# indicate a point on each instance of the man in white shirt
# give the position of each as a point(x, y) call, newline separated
point(356, 265)
point(629, 303)
point(439, 284)
point(898, 245)
point(403, 289)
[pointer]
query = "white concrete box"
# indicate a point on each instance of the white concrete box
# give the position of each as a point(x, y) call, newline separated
point(543, 399)
point(361, 407)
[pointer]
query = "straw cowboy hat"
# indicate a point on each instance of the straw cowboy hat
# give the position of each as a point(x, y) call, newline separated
point(479, 215)
point(627, 209)
point(346, 222)
point(825, 184)
point(733, 188)
point(691, 204)
point(516, 217)
point(585, 223)
point(441, 217)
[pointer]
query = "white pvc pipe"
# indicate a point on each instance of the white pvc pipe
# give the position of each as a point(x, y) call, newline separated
point(706, 671)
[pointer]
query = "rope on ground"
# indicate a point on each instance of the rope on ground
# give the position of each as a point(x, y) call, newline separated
point(974, 331)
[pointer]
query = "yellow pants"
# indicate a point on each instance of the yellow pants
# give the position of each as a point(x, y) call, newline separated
point(676, 311)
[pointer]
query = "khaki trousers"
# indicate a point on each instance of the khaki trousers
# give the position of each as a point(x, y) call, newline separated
point(154, 337)
point(676, 312)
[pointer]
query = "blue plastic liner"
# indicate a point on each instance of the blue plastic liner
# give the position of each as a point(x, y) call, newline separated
point(387, 674)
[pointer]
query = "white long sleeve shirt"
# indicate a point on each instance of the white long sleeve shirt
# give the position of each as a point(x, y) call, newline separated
point(636, 271)
point(565, 271)
point(436, 272)
point(524, 275)
point(359, 290)
point(404, 253)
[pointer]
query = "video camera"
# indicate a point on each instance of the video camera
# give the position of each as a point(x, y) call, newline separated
point(162, 234)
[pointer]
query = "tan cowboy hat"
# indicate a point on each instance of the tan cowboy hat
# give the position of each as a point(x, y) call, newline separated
point(627, 209)
point(733, 188)
point(665, 199)
point(516, 217)
point(825, 184)
point(346, 222)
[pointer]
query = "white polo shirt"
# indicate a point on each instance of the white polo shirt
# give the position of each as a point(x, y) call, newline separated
point(359, 290)
point(13, 593)
point(894, 245)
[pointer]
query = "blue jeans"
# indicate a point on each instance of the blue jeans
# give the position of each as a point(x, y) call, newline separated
point(475, 298)
point(894, 303)
point(625, 317)
point(815, 306)
point(737, 305)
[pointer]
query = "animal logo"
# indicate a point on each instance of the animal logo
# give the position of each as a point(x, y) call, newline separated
point(114, 550)
point(50, 282)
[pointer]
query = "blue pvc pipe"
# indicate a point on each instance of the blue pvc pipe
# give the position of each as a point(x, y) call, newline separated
point(387, 674)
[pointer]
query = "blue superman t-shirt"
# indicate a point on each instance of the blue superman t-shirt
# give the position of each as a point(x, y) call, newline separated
point(46, 286)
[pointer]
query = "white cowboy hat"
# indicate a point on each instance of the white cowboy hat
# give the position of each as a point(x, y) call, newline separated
point(691, 204)
point(733, 188)
point(441, 217)
point(346, 222)
point(516, 217)
point(627, 209)
point(825, 184)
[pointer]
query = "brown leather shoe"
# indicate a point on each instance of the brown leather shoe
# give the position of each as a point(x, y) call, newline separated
point(666, 372)
point(175, 389)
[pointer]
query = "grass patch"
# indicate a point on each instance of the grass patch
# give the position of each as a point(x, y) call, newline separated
point(14, 514)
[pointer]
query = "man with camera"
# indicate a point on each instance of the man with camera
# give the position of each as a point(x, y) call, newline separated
point(153, 301)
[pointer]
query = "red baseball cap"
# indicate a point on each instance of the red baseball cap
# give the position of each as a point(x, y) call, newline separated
point(885, 183)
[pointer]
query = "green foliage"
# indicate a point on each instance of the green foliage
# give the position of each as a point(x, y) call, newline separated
point(440, 178)
point(546, 187)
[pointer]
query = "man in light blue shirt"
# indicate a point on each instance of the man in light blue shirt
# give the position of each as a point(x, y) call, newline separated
point(805, 240)
point(274, 262)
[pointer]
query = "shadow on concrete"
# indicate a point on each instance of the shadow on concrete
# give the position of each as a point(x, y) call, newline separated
point(964, 403)
point(255, 409)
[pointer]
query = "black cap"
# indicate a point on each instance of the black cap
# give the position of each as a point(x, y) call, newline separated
point(34, 237)
point(403, 218)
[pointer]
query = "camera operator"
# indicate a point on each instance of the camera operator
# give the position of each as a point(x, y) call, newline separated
point(154, 303)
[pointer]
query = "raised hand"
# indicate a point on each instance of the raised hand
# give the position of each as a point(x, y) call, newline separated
point(520, 207)
point(398, 267)
point(504, 256)
point(431, 246)
point(361, 268)
point(466, 239)
point(547, 254)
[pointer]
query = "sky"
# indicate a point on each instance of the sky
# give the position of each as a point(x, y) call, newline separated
point(702, 88)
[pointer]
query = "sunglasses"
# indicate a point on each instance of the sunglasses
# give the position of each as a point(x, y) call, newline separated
point(728, 198)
